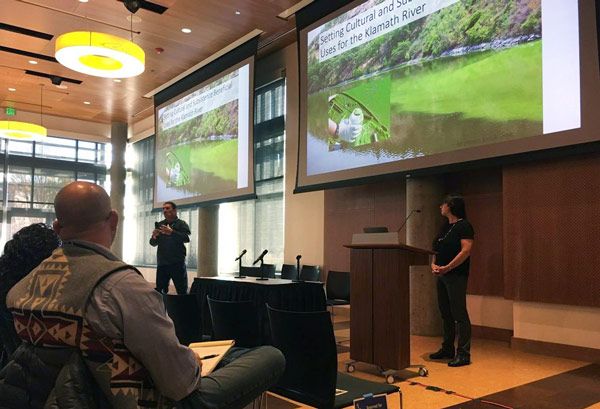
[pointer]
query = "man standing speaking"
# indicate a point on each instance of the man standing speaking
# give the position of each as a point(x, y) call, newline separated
point(169, 235)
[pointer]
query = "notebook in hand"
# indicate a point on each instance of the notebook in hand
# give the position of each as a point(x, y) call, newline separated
point(211, 353)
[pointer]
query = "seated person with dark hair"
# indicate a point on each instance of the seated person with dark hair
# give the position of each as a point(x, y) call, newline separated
point(85, 299)
point(28, 247)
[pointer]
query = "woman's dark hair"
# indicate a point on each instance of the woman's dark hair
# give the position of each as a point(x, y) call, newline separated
point(456, 203)
point(27, 249)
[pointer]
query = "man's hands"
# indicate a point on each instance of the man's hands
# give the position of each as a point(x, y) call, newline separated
point(164, 229)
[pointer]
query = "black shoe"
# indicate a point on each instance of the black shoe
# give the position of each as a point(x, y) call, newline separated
point(442, 354)
point(459, 361)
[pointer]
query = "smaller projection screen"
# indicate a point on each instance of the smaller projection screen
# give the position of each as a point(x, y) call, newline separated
point(204, 140)
point(396, 86)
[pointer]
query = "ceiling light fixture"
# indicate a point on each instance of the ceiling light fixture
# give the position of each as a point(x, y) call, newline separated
point(32, 62)
point(12, 89)
point(24, 130)
point(117, 80)
point(186, 30)
point(100, 54)
point(87, 102)
point(132, 5)
point(238, 12)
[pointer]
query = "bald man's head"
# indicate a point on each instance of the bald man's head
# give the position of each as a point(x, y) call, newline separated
point(81, 207)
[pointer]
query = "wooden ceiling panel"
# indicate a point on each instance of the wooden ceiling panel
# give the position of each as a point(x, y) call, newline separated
point(214, 25)
point(23, 42)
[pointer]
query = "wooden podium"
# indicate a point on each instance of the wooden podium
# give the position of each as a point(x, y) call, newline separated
point(380, 303)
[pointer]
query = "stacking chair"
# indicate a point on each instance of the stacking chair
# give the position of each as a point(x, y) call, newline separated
point(186, 315)
point(310, 273)
point(269, 270)
point(306, 340)
point(289, 271)
point(236, 320)
point(250, 271)
point(337, 287)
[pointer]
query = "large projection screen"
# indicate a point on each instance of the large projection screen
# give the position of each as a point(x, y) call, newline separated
point(402, 86)
point(204, 140)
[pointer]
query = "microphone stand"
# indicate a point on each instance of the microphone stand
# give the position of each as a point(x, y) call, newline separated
point(297, 280)
point(240, 272)
point(262, 272)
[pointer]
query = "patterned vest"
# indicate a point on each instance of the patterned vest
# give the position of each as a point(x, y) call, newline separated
point(48, 307)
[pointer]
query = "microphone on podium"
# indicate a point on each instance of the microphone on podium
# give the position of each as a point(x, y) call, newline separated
point(408, 217)
point(241, 255)
point(264, 253)
point(298, 257)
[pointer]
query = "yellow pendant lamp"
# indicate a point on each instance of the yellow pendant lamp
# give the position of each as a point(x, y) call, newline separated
point(24, 130)
point(21, 130)
point(99, 54)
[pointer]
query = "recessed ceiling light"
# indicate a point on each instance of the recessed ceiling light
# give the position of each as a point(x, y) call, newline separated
point(83, 1)
point(32, 62)
point(117, 80)
point(186, 30)
point(134, 19)
point(62, 86)
point(12, 89)
point(238, 12)
point(87, 102)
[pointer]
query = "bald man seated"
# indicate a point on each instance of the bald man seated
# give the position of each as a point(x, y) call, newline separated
point(84, 299)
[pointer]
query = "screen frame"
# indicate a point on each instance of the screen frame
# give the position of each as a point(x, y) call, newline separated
point(583, 139)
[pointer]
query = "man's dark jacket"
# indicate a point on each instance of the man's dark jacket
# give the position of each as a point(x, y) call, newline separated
point(42, 378)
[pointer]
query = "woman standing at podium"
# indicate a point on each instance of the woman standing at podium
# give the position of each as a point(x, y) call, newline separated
point(451, 267)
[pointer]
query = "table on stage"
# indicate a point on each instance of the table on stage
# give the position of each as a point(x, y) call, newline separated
point(278, 293)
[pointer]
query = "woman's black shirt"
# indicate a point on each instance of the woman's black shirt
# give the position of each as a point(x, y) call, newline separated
point(447, 245)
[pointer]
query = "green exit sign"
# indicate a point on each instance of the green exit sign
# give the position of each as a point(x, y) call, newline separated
point(10, 111)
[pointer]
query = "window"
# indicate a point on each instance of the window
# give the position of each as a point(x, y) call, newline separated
point(36, 171)
point(56, 148)
point(256, 225)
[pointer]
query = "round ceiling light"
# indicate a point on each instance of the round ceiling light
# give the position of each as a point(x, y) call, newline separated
point(99, 54)
point(21, 130)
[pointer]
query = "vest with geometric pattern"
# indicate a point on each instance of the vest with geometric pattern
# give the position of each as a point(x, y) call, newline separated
point(48, 307)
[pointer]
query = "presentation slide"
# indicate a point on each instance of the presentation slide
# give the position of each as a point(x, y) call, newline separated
point(431, 82)
point(203, 141)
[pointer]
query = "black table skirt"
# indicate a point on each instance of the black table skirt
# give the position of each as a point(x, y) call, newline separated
point(303, 296)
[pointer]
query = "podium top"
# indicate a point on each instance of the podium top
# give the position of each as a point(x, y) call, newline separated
point(390, 246)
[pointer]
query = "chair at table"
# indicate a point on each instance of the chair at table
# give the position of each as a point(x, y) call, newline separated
point(337, 288)
point(289, 271)
point(186, 316)
point(269, 270)
point(236, 320)
point(310, 273)
point(250, 271)
point(311, 377)
point(256, 272)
